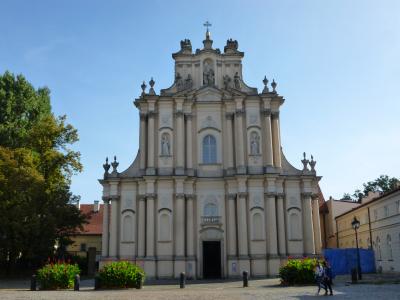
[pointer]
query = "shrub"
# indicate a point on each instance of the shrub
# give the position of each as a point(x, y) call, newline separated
point(121, 274)
point(57, 276)
point(298, 271)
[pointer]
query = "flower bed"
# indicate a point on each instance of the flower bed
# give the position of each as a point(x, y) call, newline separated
point(298, 271)
point(121, 274)
point(57, 276)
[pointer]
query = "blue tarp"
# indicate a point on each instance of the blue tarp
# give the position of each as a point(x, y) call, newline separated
point(343, 260)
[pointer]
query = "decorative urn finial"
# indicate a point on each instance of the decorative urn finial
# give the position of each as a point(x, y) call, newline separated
point(274, 84)
point(143, 86)
point(312, 164)
point(305, 162)
point(266, 89)
point(152, 91)
point(114, 165)
point(106, 167)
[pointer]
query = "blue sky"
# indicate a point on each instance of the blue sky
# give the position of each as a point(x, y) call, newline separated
point(337, 63)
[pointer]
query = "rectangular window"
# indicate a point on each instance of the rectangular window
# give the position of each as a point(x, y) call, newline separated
point(398, 206)
point(83, 247)
point(375, 214)
point(386, 209)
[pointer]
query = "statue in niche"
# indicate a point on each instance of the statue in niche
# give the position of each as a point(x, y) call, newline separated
point(179, 81)
point(236, 80)
point(254, 144)
point(208, 74)
point(189, 82)
point(227, 81)
point(165, 145)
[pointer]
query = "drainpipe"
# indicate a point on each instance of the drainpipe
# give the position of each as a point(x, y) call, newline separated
point(337, 234)
point(369, 226)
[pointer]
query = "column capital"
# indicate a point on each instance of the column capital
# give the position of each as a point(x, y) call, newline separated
point(229, 115)
point(151, 196)
point(190, 196)
point(178, 113)
point(231, 196)
point(266, 112)
point(280, 195)
point(142, 197)
point(239, 112)
point(188, 116)
point(305, 195)
point(106, 199)
point(270, 194)
point(179, 195)
point(275, 114)
point(151, 114)
point(242, 194)
point(114, 197)
point(143, 116)
point(315, 196)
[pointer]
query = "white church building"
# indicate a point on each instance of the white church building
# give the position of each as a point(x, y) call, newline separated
point(210, 192)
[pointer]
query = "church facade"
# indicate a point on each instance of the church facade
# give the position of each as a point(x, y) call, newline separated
point(210, 192)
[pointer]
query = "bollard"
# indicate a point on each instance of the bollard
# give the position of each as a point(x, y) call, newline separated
point(33, 283)
point(245, 279)
point(77, 280)
point(182, 280)
point(353, 275)
point(96, 282)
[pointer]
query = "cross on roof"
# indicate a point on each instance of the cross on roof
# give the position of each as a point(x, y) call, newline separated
point(207, 24)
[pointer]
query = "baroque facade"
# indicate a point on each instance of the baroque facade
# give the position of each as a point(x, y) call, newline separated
point(210, 192)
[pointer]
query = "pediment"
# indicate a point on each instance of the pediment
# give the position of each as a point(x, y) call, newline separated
point(209, 94)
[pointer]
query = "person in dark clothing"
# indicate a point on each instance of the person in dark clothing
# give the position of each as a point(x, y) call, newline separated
point(327, 278)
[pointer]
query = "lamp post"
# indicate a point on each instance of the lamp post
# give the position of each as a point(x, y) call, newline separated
point(356, 224)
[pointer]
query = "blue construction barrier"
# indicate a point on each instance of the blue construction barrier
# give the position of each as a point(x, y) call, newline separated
point(343, 260)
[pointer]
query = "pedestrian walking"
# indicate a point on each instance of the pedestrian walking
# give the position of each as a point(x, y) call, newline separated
point(319, 277)
point(327, 278)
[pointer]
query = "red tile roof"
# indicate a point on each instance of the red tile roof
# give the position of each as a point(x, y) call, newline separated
point(95, 225)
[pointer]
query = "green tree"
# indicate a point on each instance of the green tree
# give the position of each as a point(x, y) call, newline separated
point(382, 184)
point(36, 166)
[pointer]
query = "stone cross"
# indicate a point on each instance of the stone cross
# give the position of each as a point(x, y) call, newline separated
point(207, 24)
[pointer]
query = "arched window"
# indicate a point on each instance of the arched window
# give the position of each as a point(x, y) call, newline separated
point(210, 210)
point(257, 227)
point(127, 229)
point(389, 246)
point(164, 227)
point(378, 248)
point(294, 226)
point(209, 150)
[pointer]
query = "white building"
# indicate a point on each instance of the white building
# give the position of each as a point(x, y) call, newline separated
point(210, 192)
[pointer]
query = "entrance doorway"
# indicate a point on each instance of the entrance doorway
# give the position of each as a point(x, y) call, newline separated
point(211, 259)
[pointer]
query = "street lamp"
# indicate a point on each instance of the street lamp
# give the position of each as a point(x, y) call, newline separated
point(356, 224)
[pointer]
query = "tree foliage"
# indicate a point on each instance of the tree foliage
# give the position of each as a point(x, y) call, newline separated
point(382, 184)
point(36, 165)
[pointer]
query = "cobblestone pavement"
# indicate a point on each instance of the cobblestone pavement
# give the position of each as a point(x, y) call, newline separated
point(258, 289)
